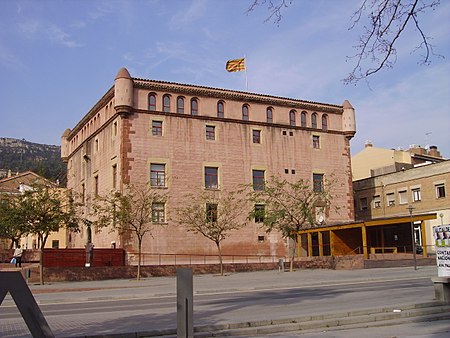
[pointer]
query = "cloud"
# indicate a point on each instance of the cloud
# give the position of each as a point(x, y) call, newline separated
point(104, 8)
point(8, 59)
point(57, 35)
point(29, 28)
point(184, 17)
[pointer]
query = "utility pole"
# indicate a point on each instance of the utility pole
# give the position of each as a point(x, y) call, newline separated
point(413, 240)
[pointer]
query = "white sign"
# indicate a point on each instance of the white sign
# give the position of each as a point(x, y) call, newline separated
point(442, 242)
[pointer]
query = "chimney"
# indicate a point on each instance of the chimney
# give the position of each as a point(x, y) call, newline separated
point(418, 150)
point(434, 152)
point(368, 144)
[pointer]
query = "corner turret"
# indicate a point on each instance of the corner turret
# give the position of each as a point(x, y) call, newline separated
point(65, 145)
point(348, 119)
point(123, 92)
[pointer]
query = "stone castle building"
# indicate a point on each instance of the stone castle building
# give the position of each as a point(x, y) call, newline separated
point(185, 138)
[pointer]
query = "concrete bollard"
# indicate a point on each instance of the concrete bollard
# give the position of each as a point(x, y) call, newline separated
point(281, 265)
point(442, 288)
point(185, 303)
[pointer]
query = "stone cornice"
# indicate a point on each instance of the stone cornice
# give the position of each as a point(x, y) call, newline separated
point(236, 96)
point(94, 110)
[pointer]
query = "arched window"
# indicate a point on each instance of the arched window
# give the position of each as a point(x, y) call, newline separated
point(324, 122)
point(245, 112)
point(303, 119)
point(292, 118)
point(166, 103)
point(180, 105)
point(220, 109)
point(194, 106)
point(269, 115)
point(152, 102)
point(314, 120)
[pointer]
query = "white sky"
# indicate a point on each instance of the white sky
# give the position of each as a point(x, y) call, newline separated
point(57, 58)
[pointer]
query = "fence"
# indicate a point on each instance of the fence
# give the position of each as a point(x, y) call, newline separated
point(190, 259)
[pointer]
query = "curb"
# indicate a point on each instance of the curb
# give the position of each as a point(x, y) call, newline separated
point(376, 317)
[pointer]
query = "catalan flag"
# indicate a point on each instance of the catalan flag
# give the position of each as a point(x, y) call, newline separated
point(236, 65)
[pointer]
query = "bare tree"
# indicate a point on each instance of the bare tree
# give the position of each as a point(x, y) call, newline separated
point(275, 8)
point(387, 20)
point(137, 210)
point(384, 23)
point(213, 214)
point(288, 207)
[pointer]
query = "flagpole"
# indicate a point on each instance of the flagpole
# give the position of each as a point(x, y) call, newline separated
point(245, 70)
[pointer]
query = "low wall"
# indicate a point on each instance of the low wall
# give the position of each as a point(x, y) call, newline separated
point(77, 257)
point(389, 263)
point(57, 274)
point(69, 257)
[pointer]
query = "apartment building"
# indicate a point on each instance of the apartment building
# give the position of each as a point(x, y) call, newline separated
point(374, 161)
point(407, 192)
point(185, 138)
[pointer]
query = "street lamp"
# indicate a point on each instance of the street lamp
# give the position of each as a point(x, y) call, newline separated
point(410, 209)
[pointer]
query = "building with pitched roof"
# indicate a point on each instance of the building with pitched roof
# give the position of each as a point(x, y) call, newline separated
point(18, 184)
point(182, 138)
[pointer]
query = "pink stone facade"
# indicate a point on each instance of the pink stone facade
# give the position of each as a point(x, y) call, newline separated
point(114, 145)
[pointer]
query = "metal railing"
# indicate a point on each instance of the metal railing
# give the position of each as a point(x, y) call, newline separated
point(191, 259)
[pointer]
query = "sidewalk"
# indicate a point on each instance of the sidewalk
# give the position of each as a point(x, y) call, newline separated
point(70, 292)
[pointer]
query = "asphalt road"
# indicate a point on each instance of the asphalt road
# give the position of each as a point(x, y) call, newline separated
point(136, 312)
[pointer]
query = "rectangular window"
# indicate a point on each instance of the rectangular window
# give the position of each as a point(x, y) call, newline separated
point(83, 193)
point(376, 201)
point(210, 133)
point(316, 142)
point(402, 197)
point(259, 213)
point(416, 195)
point(269, 115)
point(55, 244)
point(363, 203)
point(258, 179)
point(157, 175)
point(115, 128)
point(211, 213)
point(96, 185)
point(440, 190)
point(256, 136)
point(390, 199)
point(318, 182)
point(157, 128)
point(158, 213)
point(211, 178)
point(114, 176)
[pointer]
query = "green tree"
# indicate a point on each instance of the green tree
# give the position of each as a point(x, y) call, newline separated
point(213, 214)
point(288, 207)
point(137, 210)
point(45, 209)
point(11, 226)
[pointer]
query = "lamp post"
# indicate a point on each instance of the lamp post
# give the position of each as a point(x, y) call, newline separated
point(410, 209)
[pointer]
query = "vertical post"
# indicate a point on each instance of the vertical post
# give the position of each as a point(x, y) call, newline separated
point(424, 238)
point(320, 244)
point(364, 241)
point(185, 303)
point(410, 209)
point(309, 245)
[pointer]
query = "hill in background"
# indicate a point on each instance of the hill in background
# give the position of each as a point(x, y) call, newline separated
point(21, 155)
